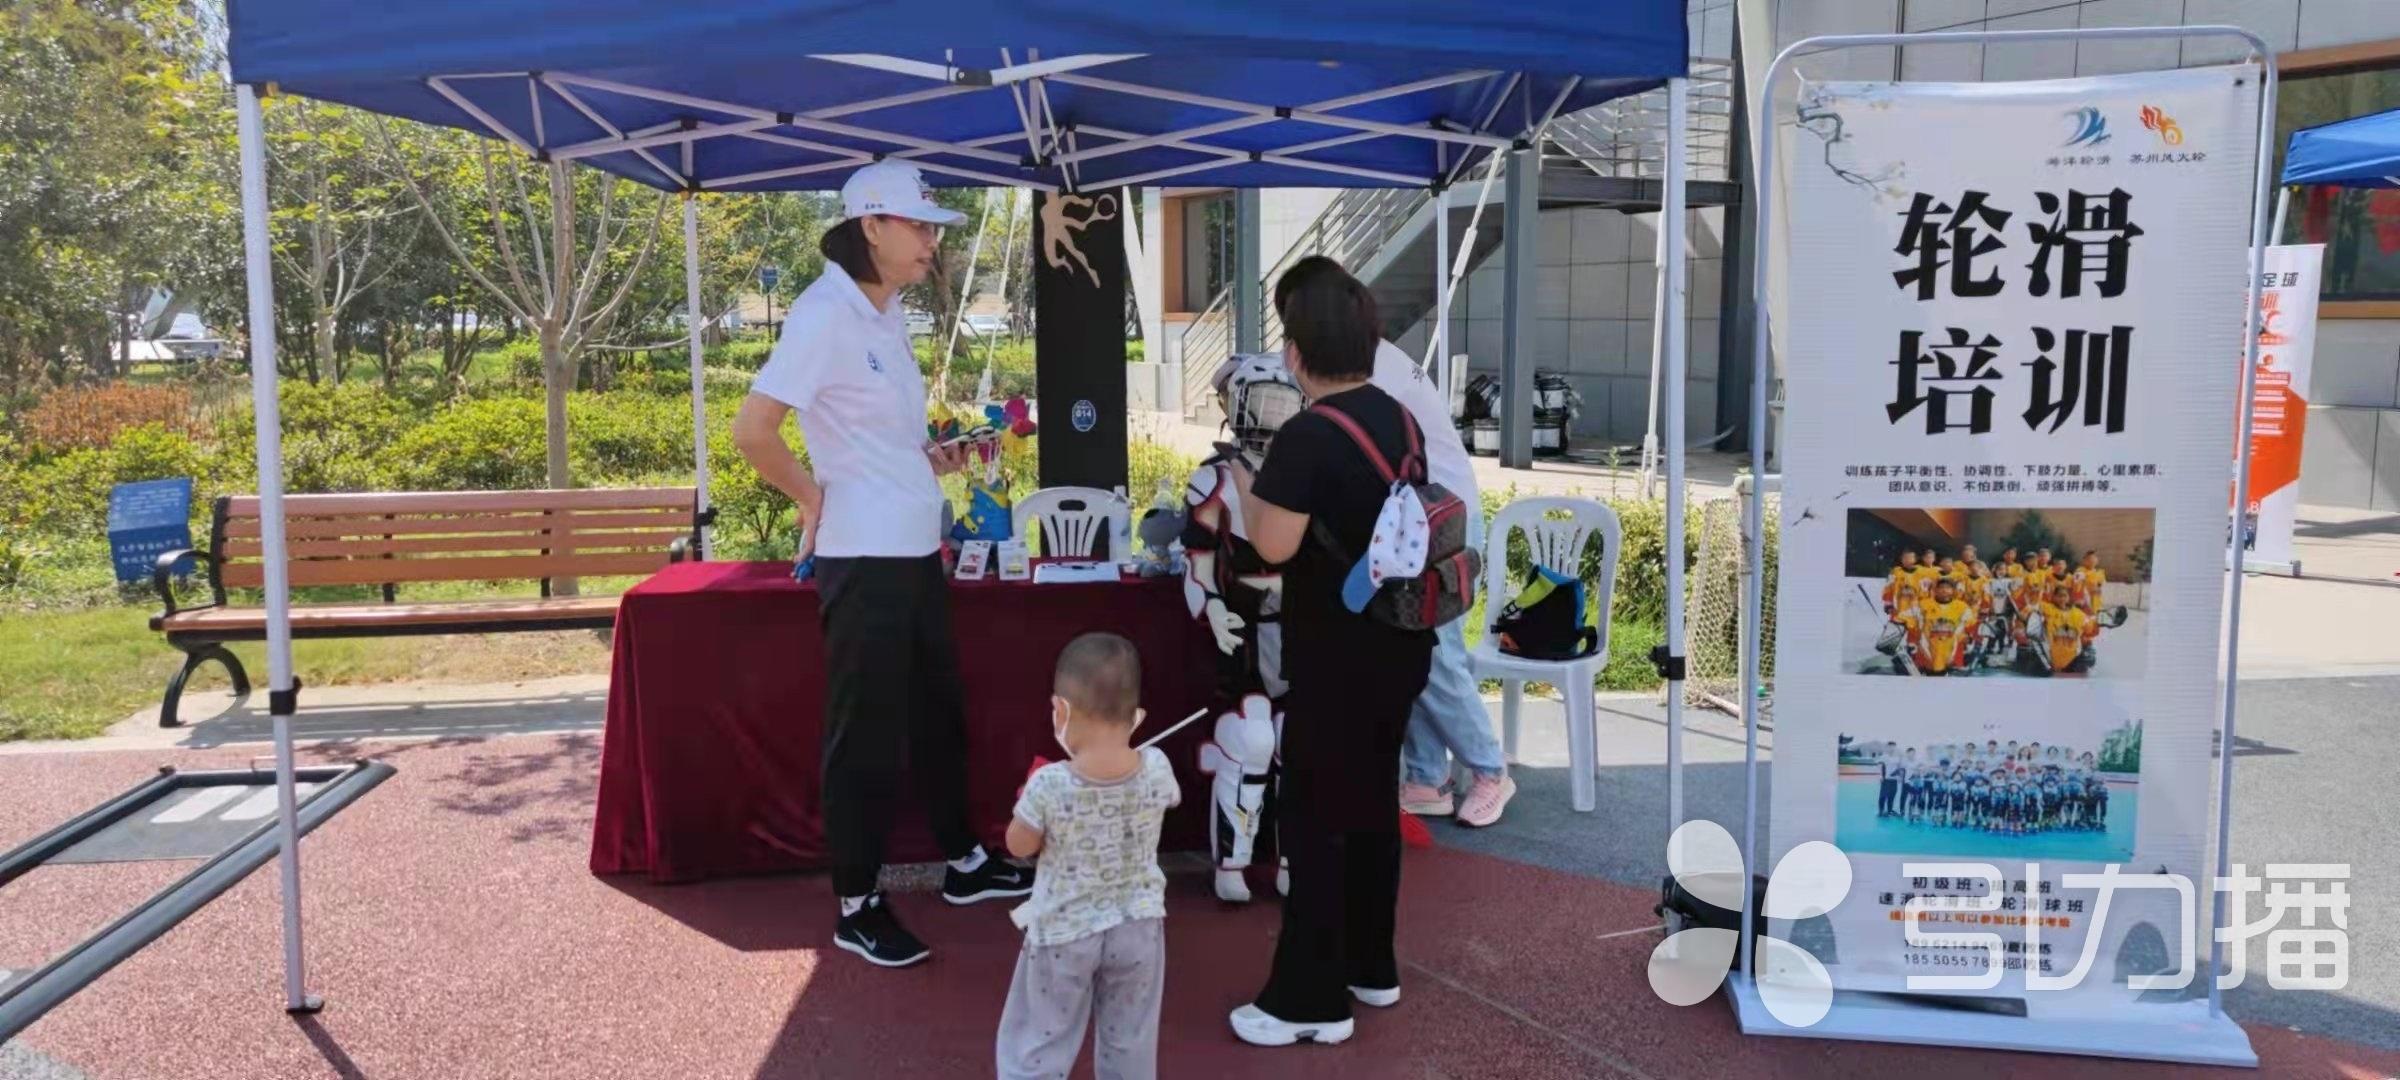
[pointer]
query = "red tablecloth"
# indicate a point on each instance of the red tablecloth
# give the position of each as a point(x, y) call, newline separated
point(710, 763)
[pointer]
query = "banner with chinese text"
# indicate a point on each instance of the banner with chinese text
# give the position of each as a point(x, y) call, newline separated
point(2287, 349)
point(2002, 336)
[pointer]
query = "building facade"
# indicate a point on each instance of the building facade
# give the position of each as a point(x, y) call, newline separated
point(1596, 284)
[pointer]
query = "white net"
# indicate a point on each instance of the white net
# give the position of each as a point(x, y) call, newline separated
point(1713, 618)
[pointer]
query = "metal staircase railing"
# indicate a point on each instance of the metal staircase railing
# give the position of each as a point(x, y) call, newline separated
point(1352, 228)
point(1626, 137)
point(1620, 138)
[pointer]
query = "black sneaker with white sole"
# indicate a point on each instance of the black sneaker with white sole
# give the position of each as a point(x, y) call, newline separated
point(876, 935)
point(996, 879)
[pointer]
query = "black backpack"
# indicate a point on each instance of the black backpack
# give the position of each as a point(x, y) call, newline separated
point(1445, 589)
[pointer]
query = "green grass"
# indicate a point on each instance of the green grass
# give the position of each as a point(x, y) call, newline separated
point(69, 674)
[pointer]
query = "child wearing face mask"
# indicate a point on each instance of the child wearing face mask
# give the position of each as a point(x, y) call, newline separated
point(1095, 940)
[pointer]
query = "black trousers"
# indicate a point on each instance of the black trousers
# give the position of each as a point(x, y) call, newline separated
point(1337, 923)
point(1343, 724)
point(892, 701)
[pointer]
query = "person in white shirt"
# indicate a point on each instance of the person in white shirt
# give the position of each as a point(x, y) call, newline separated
point(1449, 720)
point(870, 506)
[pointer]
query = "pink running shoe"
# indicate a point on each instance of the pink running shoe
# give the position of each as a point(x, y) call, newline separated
point(1485, 800)
point(1425, 800)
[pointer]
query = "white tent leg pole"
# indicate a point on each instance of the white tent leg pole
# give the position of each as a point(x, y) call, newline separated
point(1669, 357)
point(2283, 206)
point(691, 302)
point(1466, 243)
point(1648, 475)
point(1437, 353)
point(966, 291)
point(282, 690)
point(1145, 293)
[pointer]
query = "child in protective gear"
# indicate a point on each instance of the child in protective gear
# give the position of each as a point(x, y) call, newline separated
point(1949, 629)
point(2066, 632)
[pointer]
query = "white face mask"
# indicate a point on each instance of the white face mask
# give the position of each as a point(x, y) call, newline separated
point(1059, 711)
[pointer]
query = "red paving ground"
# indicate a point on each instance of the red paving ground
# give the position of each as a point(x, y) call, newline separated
point(457, 935)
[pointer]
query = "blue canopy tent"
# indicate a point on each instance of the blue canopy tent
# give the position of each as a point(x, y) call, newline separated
point(2361, 152)
point(1057, 95)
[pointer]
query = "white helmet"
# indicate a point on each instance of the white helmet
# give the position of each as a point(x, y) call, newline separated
point(1258, 394)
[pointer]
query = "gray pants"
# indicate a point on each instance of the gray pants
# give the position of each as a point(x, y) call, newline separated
point(1123, 970)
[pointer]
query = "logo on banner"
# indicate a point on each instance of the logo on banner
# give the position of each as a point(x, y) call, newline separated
point(1084, 415)
point(1059, 231)
point(2091, 128)
point(1810, 880)
point(2156, 119)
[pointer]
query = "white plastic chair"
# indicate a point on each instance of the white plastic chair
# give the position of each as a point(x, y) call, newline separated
point(1556, 530)
point(1074, 519)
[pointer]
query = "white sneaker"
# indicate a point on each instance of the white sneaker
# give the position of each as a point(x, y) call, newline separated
point(1381, 999)
point(1283, 878)
point(1253, 1025)
point(1232, 888)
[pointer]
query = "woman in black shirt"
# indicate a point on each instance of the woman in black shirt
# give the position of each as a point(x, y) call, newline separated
point(1352, 679)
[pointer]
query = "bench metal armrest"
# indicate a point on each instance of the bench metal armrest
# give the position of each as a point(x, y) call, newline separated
point(162, 575)
point(687, 548)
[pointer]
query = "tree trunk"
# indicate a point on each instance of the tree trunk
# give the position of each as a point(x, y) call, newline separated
point(556, 382)
point(323, 330)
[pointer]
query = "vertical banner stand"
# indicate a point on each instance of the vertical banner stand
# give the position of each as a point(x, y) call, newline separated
point(2195, 1036)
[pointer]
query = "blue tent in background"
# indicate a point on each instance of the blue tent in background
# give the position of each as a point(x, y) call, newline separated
point(2363, 151)
point(748, 95)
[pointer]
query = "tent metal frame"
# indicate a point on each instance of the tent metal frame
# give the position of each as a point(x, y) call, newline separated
point(1048, 144)
point(27, 999)
point(1042, 136)
point(2218, 1040)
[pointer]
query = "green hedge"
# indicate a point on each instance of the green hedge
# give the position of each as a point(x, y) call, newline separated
point(358, 438)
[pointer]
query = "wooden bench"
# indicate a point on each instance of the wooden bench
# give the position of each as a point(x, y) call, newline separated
point(395, 538)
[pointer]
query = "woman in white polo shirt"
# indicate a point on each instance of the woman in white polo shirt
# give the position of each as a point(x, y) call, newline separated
point(872, 509)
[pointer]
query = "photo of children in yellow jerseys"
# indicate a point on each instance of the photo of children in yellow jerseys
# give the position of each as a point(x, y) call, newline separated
point(1959, 608)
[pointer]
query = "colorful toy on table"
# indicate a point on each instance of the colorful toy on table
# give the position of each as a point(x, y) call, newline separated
point(988, 515)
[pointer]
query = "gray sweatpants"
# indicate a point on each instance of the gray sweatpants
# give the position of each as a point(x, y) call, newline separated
point(1122, 971)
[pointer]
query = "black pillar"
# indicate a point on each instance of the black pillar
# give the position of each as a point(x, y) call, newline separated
point(1079, 336)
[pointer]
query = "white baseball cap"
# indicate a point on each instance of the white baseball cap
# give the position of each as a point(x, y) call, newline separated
point(896, 189)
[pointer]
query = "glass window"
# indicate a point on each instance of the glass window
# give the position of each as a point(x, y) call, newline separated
point(2360, 227)
point(1208, 235)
